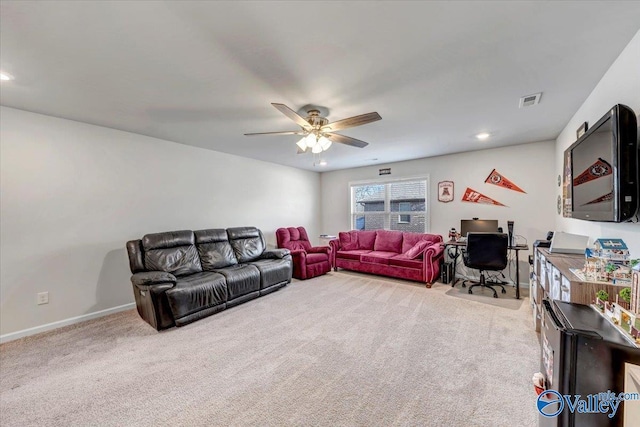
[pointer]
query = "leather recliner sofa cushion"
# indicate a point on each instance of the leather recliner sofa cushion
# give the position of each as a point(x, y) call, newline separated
point(174, 252)
point(241, 279)
point(197, 292)
point(214, 249)
point(247, 243)
point(272, 271)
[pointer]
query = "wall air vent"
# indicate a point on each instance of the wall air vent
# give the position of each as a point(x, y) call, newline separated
point(529, 100)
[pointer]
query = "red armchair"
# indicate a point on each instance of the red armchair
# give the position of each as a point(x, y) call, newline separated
point(308, 261)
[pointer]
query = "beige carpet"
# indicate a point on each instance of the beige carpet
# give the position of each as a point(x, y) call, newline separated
point(339, 350)
point(485, 295)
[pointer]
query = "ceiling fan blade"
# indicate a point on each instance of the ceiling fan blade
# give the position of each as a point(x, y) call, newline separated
point(292, 115)
point(335, 137)
point(288, 132)
point(360, 120)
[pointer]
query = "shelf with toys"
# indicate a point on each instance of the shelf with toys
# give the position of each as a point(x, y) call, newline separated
point(578, 278)
point(626, 322)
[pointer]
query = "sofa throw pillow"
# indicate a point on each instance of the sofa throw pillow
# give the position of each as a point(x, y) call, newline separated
point(417, 249)
point(388, 241)
point(366, 239)
point(410, 239)
point(348, 241)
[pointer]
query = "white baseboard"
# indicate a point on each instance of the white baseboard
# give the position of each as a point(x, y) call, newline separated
point(59, 324)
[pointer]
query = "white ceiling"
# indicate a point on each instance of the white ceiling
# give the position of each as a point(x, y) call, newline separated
point(205, 73)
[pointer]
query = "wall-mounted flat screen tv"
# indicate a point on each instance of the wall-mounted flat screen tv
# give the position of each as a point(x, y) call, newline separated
point(604, 169)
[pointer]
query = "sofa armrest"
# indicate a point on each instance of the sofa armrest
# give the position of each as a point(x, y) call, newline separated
point(434, 252)
point(432, 255)
point(334, 244)
point(319, 250)
point(275, 253)
point(148, 278)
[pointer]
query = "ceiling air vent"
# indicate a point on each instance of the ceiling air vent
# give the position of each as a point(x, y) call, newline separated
point(529, 100)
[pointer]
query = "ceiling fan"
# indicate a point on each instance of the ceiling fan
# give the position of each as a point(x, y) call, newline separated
point(316, 131)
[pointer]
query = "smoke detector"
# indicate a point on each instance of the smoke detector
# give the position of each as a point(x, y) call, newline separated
point(529, 100)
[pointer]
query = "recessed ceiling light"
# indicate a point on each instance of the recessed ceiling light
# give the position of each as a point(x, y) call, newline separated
point(5, 76)
point(323, 163)
point(482, 136)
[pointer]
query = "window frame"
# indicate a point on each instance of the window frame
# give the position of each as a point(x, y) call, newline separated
point(387, 208)
point(404, 221)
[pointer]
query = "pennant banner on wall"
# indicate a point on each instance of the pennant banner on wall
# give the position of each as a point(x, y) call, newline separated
point(605, 198)
point(597, 170)
point(496, 178)
point(474, 196)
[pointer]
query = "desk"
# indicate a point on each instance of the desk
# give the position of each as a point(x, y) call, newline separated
point(516, 248)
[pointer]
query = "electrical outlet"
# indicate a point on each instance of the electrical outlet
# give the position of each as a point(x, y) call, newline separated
point(43, 298)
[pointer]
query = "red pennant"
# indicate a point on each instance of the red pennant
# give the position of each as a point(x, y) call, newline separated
point(474, 196)
point(605, 198)
point(597, 170)
point(496, 178)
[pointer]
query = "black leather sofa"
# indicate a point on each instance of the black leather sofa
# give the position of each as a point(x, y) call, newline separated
point(182, 276)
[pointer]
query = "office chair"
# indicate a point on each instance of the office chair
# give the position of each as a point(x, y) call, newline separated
point(486, 252)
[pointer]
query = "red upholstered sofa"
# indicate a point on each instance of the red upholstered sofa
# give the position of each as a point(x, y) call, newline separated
point(412, 256)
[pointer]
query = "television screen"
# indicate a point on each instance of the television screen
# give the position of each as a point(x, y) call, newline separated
point(604, 169)
point(478, 226)
point(593, 171)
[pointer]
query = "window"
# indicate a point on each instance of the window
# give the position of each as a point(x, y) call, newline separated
point(390, 205)
point(404, 219)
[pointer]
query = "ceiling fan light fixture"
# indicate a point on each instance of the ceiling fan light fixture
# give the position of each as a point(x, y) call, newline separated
point(302, 144)
point(312, 140)
point(325, 143)
point(317, 133)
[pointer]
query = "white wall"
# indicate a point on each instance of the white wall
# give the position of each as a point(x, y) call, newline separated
point(620, 85)
point(72, 194)
point(529, 166)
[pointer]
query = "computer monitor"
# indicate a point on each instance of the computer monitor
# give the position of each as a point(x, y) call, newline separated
point(478, 225)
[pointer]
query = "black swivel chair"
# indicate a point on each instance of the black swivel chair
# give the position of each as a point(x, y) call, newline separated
point(486, 252)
